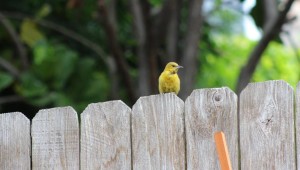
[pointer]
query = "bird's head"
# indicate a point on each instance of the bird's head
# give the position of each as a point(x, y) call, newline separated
point(172, 67)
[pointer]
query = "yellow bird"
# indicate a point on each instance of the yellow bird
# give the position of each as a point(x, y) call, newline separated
point(168, 80)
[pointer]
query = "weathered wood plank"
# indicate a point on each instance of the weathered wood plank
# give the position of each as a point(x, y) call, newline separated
point(55, 139)
point(158, 139)
point(267, 126)
point(14, 141)
point(206, 112)
point(105, 136)
point(298, 123)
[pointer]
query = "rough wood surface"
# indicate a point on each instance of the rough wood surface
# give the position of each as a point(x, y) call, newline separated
point(14, 141)
point(267, 126)
point(206, 112)
point(55, 139)
point(105, 136)
point(158, 140)
point(298, 123)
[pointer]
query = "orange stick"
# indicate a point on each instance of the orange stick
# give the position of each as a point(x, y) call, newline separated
point(222, 151)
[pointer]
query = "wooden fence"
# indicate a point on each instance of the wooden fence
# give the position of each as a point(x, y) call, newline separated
point(160, 132)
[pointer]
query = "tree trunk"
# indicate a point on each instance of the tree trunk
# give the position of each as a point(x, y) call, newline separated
point(140, 33)
point(190, 51)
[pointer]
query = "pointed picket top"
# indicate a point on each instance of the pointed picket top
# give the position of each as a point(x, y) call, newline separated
point(55, 131)
point(206, 112)
point(158, 140)
point(15, 144)
point(105, 136)
point(267, 126)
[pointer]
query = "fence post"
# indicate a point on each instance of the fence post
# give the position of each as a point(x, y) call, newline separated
point(105, 136)
point(158, 139)
point(206, 112)
point(14, 141)
point(55, 139)
point(267, 126)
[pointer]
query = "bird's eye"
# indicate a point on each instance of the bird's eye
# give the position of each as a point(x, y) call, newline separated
point(173, 65)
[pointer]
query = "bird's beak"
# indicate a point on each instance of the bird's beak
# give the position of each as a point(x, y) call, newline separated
point(179, 67)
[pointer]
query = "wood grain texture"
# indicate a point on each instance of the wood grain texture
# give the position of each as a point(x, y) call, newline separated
point(267, 126)
point(158, 140)
point(14, 141)
point(298, 123)
point(105, 136)
point(55, 139)
point(206, 112)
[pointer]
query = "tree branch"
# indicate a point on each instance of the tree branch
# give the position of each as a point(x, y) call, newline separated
point(64, 31)
point(10, 68)
point(111, 9)
point(15, 37)
point(272, 29)
point(73, 35)
point(113, 74)
point(10, 99)
point(270, 11)
point(117, 51)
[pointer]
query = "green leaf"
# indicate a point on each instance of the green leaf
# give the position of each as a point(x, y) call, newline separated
point(156, 2)
point(62, 99)
point(218, 3)
point(54, 63)
point(30, 33)
point(44, 11)
point(5, 80)
point(40, 53)
point(42, 101)
point(31, 86)
point(65, 65)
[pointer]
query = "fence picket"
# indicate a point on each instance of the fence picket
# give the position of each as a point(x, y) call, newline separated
point(298, 123)
point(206, 112)
point(55, 139)
point(267, 126)
point(105, 136)
point(14, 141)
point(158, 139)
point(161, 132)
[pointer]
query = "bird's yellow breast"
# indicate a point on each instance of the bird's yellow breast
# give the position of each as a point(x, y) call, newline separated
point(169, 82)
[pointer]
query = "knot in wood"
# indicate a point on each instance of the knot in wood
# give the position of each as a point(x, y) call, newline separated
point(218, 97)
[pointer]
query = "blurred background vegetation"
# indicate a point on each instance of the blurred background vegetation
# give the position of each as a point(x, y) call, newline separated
point(76, 52)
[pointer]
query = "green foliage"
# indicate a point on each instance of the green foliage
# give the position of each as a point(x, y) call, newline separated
point(223, 68)
point(44, 11)
point(278, 62)
point(156, 2)
point(54, 63)
point(59, 77)
point(63, 72)
point(33, 89)
point(5, 80)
